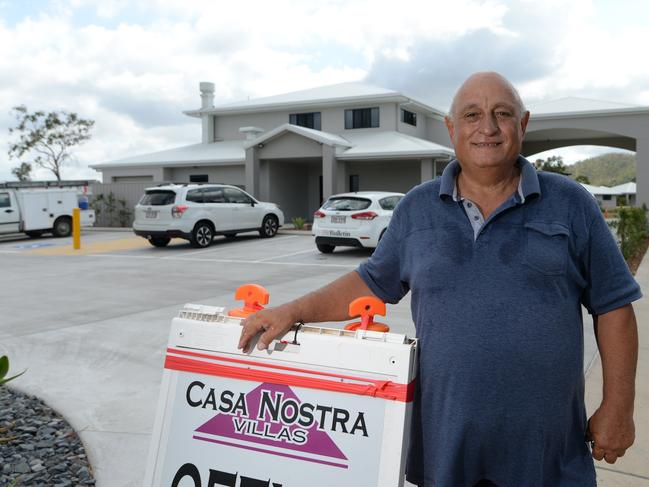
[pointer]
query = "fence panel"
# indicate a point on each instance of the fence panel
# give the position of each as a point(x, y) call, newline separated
point(114, 202)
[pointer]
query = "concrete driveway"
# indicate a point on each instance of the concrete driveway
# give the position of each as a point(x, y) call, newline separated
point(91, 326)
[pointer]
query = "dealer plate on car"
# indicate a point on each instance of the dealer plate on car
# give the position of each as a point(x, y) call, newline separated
point(338, 218)
point(150, 213)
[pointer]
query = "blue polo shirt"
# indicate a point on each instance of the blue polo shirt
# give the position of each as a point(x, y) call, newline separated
point(498, 318)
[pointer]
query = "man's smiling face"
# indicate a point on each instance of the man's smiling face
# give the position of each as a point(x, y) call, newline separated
point(486, 124)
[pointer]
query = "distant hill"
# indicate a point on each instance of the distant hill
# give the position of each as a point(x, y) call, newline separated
point(608, 169)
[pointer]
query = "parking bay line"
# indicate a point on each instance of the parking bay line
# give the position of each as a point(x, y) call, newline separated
point(287, 255)
point(213, 250)
point(231, 261)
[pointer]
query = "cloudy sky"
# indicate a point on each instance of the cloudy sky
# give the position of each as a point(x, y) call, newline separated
point(134, 66)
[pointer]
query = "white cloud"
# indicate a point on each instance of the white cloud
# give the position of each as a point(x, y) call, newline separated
point(134, 66)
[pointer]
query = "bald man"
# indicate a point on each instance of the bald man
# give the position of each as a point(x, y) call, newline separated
point(499, 260)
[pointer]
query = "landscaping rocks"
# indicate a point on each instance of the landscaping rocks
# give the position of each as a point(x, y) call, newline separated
point(37, 446)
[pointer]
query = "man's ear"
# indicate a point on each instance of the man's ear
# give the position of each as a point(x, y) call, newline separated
point(450, 127)
point(524, 119)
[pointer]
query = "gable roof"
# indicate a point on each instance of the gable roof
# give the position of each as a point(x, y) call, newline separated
point(321, 96)
point(390, 144)
point(316, 135)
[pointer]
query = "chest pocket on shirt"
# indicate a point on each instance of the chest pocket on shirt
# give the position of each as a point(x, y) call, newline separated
point(546, 247)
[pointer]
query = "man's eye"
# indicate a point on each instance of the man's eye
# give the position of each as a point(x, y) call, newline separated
point(503, 114)
point(471, 116)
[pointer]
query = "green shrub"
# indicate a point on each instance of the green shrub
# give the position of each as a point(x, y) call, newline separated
point(632, 229)
point(298, 222)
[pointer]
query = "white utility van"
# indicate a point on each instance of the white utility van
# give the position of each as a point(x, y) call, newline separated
point(42, 207)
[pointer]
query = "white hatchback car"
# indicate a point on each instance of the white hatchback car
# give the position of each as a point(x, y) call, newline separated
point(198, 212)
point(353, 219)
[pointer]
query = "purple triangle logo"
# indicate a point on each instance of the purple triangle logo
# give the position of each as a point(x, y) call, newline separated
point(278, 423)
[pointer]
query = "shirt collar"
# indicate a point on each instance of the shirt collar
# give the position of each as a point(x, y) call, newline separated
point(528, 184)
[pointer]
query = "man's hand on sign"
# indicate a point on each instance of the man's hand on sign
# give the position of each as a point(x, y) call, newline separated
point(271, 323)
point(611, 432)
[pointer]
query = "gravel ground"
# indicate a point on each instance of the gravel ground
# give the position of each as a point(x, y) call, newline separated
point(37, 446)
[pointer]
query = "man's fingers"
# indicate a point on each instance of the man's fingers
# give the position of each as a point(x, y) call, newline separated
point(598, 453)
point(610, 457)
point(250, 328)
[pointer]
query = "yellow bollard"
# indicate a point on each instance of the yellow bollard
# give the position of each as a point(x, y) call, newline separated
point(76, 228)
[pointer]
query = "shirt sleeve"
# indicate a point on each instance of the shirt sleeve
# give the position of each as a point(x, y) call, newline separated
point(382, 272)
point(610, 283)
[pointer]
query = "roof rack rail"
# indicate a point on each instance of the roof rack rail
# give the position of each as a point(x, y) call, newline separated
point(47, 184)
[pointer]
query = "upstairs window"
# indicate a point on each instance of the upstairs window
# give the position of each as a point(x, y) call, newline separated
point(409, 117)
point(308, 120)
point(198, 178)
point(362, 118)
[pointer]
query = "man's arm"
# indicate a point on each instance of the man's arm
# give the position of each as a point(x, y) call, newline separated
point(330, 303)
point(611, 426)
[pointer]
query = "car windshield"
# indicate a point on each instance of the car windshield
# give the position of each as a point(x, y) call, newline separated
point(158, 197)
point(346, 203)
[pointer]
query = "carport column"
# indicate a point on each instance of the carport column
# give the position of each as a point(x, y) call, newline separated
point(427, 170)
point(252, 172)
point(642, 171)
point(330, 172)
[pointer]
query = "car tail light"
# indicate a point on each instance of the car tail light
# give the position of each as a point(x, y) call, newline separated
point(366, 215)
point(319, 214)
point(178, 210)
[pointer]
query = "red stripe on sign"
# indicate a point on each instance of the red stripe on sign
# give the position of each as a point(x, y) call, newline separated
point(375, 388)
point(267, 365)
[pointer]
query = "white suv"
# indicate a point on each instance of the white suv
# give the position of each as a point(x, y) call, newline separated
point(198, 212)
point(353, 219)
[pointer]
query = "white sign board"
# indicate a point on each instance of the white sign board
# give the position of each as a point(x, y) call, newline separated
point(329, 410)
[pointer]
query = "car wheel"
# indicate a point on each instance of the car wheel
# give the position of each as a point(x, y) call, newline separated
point(62, 227)
point(202, 235)
point(159, 241)
point(34, 233)
point(325, 248)
point(269, 226)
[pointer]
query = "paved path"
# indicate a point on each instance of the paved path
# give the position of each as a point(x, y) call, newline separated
point(633, 469)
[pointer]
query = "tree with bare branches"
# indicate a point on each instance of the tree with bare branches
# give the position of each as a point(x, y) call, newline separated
point(47, 137)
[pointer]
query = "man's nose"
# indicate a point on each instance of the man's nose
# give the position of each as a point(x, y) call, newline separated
point(489, 125)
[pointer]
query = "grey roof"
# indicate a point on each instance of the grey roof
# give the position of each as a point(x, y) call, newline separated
point(330, 95)
point(575, 105)
point(390, 144)
point(196, 154)
point(620, 189)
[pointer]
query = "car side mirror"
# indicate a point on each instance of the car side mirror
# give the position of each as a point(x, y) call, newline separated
point(252, 202)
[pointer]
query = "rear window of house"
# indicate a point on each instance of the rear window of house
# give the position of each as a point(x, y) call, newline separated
point(158, 198)
point(346, 204)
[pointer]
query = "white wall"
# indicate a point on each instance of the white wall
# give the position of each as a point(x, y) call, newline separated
point(234, 174)
point(226, 127)
point(290, 145)
point(417, 131)
point(400, 176)
point(155, 173)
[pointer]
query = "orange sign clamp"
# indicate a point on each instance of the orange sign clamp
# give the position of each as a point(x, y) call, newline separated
point(366, 307)
point(253, 296)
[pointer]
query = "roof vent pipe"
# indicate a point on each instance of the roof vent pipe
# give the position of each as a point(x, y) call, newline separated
point(207, 94)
